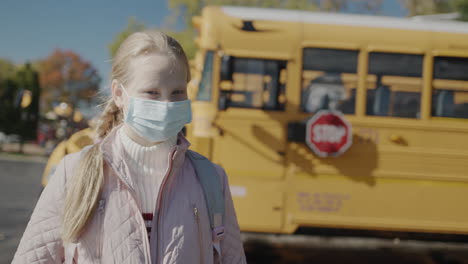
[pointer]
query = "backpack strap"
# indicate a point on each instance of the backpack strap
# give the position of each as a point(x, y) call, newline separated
point(212, 189)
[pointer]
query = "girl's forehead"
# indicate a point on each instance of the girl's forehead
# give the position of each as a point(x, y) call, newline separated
point(157, 70)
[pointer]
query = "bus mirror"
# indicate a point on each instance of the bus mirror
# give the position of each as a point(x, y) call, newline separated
point(226, 68)
point(223, 102)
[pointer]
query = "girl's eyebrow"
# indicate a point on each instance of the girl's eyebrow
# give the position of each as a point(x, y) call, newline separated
point(178, 89)
point(149, 87)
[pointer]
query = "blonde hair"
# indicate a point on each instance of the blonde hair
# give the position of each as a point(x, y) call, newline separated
point(85, 187)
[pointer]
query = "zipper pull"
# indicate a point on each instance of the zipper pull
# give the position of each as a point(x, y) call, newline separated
point(195, 212)
point(101, 205)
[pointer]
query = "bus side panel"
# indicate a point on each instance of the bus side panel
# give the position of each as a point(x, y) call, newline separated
point(391, 204)
point(416, 183)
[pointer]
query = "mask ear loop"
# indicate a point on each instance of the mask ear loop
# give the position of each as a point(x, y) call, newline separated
point(128, 98)
point(123, 88)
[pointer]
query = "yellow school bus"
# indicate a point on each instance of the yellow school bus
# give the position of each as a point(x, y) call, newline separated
point(74, 143)
point(402, 84)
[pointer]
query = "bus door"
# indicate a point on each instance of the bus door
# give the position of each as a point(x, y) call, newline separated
point(249, 143)
point(322, 187)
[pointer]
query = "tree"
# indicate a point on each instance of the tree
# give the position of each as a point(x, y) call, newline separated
point(66, 77)
point(365, 6)
point(9, 110)
point(7, 69)
point(132, 26)
point(462, 7)
point(186, 9)
point(427, 7)
point(28, 81)
point(189, 8)
point(19, 101)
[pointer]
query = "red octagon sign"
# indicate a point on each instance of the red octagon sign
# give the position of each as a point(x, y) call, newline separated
point(328, 133)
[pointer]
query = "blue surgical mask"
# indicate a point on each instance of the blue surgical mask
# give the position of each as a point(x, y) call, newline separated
point(156, 121)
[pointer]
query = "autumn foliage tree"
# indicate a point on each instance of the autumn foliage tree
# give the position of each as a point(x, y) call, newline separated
point(66, 77)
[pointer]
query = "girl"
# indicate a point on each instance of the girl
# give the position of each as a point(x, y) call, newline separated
point(135, 196)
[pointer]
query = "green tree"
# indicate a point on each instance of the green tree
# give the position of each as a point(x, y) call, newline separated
point(27, 80)
point(19, 103)
point(132, 26)
point(7, 69)
point(8, 97)
point(9, 110)
point(461, 6)
point(186, 9)
point(189, 8)
point(186, 38)
point(427, 7)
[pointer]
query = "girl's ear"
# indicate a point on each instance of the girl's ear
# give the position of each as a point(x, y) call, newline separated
point(117, 94)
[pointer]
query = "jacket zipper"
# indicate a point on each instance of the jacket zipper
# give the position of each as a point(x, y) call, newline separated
point(159, 204)
point(140, 219)
point(200, 240)
point(100, 212)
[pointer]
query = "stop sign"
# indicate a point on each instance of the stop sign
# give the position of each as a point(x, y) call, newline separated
point(328, 133)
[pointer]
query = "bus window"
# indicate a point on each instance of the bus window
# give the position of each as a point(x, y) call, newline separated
point(329, 80)
point(257, 83)
point(394, 84)
point(204, 91)
point(450, 84)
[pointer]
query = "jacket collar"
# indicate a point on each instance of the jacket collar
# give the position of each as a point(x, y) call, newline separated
point(114, 154)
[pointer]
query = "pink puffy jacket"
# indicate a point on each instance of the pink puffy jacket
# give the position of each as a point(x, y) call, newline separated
point(116, 232)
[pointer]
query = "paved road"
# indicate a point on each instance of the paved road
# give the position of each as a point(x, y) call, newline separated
point(19, 190)
point(262, 254)
point(20, 186)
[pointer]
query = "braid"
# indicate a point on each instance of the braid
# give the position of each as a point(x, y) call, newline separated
point(111, 117)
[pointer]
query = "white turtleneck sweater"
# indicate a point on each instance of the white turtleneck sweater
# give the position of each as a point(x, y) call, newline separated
point(147, 166)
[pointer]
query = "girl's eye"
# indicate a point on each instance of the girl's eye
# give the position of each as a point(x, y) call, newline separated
point(178, 92)
point(151, 92)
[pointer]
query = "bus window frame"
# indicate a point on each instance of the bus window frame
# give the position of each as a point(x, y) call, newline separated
point(236, 55)
point(325, 45)
point(442, 53)
point(213, 72)
point(362, 109)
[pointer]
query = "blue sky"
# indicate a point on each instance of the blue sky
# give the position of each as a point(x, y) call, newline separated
point(30, 30)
